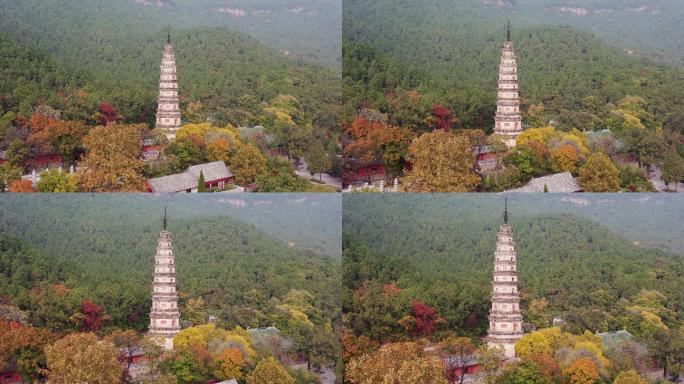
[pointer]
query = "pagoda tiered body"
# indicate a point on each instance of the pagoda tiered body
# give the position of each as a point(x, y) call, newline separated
point(168, 103)
point(165, 316)
point(505, 319)
point(508, 121)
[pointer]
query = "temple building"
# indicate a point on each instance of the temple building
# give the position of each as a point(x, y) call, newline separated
point(168, 103)
point(508, 121)
point(505, 319)
point(165, 316)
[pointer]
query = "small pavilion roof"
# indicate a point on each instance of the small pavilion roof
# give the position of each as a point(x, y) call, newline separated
point(212, 171)
point(173, 183)
point(189, 179)
point(556, 183)
point(611, 338)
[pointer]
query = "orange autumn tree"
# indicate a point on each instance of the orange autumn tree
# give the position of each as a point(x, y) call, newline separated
point(442, 162)
point(82, 358)
point(582, 371)
point(565, 159)
point(230, 364)
point(396, 363)
point(21, 186)
point(40, 135)
point(356, 346)
point(374, 138)
point(23, 345)
point(112, 162)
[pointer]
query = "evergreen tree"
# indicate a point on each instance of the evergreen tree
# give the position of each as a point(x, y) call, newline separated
point(200, 184)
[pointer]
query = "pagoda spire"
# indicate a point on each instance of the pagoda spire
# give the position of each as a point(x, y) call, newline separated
point(508, 31)
point(505, 318)
point(168, 37)
point(505, 210)
point(164, 221)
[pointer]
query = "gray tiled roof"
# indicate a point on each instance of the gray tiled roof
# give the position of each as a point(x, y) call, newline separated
point(173, 183)
point(189, 179)
point(557, 183)
point(231, 381)
point(212, 171)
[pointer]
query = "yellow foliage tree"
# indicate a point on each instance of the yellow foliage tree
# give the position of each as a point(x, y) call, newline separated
point(542, 342)
point(219, 150)
point(541, 135)
point(599, 174)
point(206, 131)
point(442, 162)
point(203, 335)
point(269, 371)
point(582, 371)
point(112, 161)
point(247, 164)
point(533, 344)
point(564, 159)
point(82, 358)
point(629, 377)
point(396, 363)
point(197, 335)
point(230, 364)
point(578, 139)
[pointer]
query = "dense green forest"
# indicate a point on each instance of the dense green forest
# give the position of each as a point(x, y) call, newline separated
point(224, 75)
point(60, 257)
point(437, 249)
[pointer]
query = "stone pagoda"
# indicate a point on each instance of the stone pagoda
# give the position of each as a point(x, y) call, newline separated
point(165, 316)
point(168, 110)
point(505, 319)
point(508, 121)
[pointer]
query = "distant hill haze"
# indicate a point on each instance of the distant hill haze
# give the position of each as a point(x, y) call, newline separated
point(649, 28)
point(308, 29)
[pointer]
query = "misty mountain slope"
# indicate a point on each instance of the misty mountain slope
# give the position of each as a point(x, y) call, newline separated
point(308, 222)
point(648, 28)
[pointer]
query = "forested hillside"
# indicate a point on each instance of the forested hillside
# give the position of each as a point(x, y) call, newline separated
point(411, 69)
point(313, 221)
point(224, 74)
point(439, 249)
point(99, 249)
point(577, 78)
point(307, 29)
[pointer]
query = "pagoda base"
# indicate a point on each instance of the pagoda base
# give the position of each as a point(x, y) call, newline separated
point(163, 341)
point(508, 346)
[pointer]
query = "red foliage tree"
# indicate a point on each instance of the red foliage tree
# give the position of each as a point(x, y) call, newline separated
point(108, 113)
point(93, 316)
point(426, 319)
point(444, 117)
